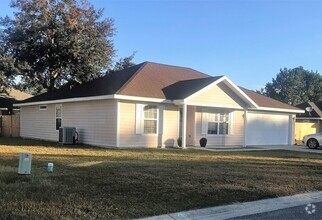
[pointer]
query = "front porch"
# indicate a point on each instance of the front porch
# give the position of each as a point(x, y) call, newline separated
point(221, 126)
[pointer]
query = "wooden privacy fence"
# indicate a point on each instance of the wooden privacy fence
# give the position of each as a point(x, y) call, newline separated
point(10, 125)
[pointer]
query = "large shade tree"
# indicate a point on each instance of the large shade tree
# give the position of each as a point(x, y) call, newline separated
point(53, 42)
point(295, 86)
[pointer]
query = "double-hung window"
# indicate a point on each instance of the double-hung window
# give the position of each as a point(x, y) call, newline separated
point(150, 117)
point(58, 115)
point(218, 123)
point(147, 119)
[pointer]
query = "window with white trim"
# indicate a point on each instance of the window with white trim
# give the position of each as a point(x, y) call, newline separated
point(150, 118)
point(58, 115)
point(43, 107)
point(218, 123)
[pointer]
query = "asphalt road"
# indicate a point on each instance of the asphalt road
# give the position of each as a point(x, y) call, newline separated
point(294, 213)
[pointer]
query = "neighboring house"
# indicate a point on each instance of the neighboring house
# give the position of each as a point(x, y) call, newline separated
point(308, 122)
point(151, 105)
point(8, 99)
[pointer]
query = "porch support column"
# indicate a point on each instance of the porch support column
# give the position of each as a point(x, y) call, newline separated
point(184, 125)
point(245, 127)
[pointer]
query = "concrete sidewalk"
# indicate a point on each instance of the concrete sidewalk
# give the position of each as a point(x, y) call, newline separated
point(244, 209)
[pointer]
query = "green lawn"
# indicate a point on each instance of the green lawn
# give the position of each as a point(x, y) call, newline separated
point(94, 183)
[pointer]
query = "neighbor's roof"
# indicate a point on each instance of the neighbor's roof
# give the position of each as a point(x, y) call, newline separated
point(316, 110)
point(12, 96)
point(150, 80)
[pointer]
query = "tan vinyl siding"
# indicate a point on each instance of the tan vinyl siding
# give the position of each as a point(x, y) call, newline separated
point(127, 132)
point(217, 95)
point(190, 125)
point(127, 128)
point(38, 124)
point(170, 126)
point(236, 130)
point(95, 121)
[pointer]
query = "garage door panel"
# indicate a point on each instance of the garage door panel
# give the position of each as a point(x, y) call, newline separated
point(267, 129)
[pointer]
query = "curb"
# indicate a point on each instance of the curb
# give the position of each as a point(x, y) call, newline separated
point(243, 209)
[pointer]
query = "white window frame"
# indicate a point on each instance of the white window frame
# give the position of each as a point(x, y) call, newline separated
point(43, 107)
point(218, 121)
point(140, 118)
point(61, 115)
point(151, 119)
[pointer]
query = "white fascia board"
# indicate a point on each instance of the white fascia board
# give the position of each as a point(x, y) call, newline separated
point(144, 99)
point(242, 94)
point(178, 101)
point(230, 85)
point(216, 106)
point(93, 98)
point(276, 110)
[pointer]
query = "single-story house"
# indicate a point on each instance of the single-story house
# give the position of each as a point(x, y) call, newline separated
point(9, 98)
point(308, 122)
point(151, 105)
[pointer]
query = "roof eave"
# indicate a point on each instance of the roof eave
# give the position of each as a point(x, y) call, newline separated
point(276, 110)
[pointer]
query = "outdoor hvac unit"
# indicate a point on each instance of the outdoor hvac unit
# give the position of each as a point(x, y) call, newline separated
point(67, 135)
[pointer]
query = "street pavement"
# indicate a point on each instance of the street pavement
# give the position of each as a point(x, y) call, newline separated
point(301, 206)
point(311, 211)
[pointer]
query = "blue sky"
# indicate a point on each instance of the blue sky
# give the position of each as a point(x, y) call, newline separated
point(249, 41)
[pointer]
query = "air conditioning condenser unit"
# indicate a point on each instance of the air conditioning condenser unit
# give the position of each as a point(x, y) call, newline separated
point(67, 135)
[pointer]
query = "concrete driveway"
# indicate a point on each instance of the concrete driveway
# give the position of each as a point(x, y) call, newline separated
point(300, 148)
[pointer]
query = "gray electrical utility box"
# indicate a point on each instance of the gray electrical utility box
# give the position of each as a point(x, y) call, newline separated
point(24, 163)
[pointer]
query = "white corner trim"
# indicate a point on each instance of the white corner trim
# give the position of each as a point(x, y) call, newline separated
point(276, 110)
point(118, 111)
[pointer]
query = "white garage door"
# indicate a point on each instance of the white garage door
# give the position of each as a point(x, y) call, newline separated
point(267, 129)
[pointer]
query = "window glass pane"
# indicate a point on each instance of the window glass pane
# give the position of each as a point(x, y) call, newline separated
point(58, 123)
point(150, 126)
point(223, 128)
point(58, 111)
point(212, 117)
point(212, 127)
point(150, 112)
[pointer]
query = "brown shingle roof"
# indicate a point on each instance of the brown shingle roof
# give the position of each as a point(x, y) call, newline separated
point(151, 80)
point(316, 110)
point(179, 90)
point(153, 77)
point(264, 101)
point(106, 85)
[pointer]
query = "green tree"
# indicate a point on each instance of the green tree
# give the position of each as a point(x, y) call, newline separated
point(123, 63)
point(53, 42)
point(295, 86)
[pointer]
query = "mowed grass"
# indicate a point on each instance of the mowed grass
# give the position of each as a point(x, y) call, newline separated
point(95, 183)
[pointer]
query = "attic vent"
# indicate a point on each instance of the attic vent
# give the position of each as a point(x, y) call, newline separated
point(42, 107)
